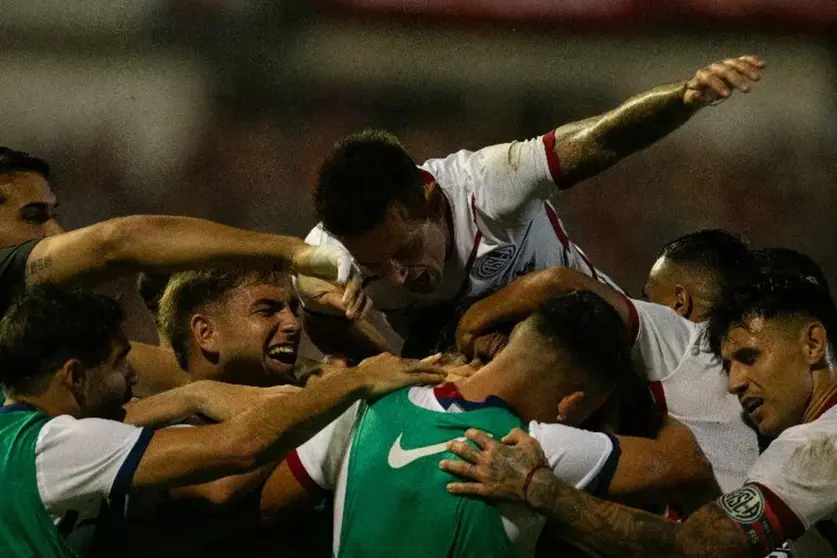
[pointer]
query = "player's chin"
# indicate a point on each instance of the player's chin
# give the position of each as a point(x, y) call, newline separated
point(425, 282)
point(280, 373)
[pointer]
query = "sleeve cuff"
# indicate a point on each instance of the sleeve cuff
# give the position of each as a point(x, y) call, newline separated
point(122, 481)
point(783, 519)
point(552, 161)
point(601, 483)
point(302, 477)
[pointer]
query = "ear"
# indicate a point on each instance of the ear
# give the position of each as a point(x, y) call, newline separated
point(816, 342)
point(435, 201)
point(570, 410)
point(204, 332)
point(73, 375)
point(683, 303)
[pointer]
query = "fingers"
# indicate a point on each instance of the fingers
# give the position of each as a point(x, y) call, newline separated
point(707, 78)
point(352, 295)
point(424, 378)
point(468, 489)
point(432, 359)
point(753, 59)
point(464, 450)
point(730, 76)
point(751, 71)
point(514, 437)
point(482, 439)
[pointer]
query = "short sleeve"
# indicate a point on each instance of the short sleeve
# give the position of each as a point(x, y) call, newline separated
point(509, 180)
point(316, 463)
point(584, 459)
point(13, 271)
point(799, 469)
point(79, 459)
point(662, 339)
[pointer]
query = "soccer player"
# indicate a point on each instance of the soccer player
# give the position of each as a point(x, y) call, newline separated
point(467, 224)
point(379, 459)
point(35, 249)
point(774, 340)
point(65, 459)
point(668, 333)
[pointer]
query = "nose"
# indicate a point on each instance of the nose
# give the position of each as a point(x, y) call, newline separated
point(737, 379)
point(289, 322)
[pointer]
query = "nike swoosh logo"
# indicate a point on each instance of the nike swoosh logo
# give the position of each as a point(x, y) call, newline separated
point(400, 457)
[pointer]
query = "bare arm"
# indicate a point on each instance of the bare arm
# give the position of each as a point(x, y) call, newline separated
point(186, 456)
point(500, 471)
point(588, 147)
point(166, 243)
point(523, 296)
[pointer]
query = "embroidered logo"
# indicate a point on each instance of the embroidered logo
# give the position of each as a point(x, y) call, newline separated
point(745, 505)
point(495, 262)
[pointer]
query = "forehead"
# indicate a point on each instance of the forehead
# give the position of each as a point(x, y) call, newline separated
point(758, 332)
point(384, 240)
point(22, 188)
point(251, 292)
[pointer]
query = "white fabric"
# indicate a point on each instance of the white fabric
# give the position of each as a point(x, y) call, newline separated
point(674, 352)
point(501, 192)
point(576, 456)
point(800, 467)
point(76, 462)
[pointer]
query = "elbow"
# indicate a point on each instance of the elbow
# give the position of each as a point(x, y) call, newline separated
point(119, 237)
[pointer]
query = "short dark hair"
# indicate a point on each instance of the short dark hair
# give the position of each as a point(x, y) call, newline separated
point(18, 161)
point(771, 296)
point(49, 325)
point(193, 291)
point(721, 254)
point(790, 262)
point(151, 287)
point(364, 174)
point(589, 330)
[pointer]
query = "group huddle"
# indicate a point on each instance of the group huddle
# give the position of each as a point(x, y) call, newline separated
point(536, 408)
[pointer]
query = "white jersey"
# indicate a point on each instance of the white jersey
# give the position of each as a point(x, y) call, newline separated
point(791, 491)
point(584, 459)
point(688, 383)
point(503, 227)
point(82, 465)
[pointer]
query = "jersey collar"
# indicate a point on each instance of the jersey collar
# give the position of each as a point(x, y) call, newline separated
point(16, 407)
point(449, 395)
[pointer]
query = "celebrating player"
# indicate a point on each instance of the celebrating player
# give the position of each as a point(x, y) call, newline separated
point(574, 350)
point(774, 340)
point(65, 374)
point(467, 224)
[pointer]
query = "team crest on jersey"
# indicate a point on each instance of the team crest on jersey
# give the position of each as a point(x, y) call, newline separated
point(745, 505)
point(495, 262)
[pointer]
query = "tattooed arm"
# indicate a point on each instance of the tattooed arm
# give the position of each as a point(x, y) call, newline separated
point(590, 146)
point(501, 470)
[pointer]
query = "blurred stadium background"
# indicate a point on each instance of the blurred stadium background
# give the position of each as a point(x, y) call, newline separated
point(224, 108)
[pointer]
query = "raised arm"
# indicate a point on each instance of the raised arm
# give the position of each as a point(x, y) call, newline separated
point(165, 243)
point(523, 296)
point(588, 147)
point(184, 456)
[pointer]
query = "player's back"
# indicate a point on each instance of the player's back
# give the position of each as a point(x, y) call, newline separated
point(396, 502)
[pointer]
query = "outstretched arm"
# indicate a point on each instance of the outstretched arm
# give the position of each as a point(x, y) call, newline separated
point(588, 147)
point(166, 243)
point(517, 470)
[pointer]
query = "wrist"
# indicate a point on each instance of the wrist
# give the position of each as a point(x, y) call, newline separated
point(540, 491)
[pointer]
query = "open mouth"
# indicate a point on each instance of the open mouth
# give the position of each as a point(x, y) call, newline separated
point(286, 354)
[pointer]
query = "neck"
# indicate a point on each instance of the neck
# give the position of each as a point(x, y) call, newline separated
point(48, 402)
point(501, 378)
point(823, 394)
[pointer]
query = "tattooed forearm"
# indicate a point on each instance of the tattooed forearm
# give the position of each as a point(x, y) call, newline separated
point(615, 530)
point(588, 147)
point(40, 267)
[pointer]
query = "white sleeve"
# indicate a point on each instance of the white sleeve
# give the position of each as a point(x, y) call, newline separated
point(76, 459)
point(799, 468)
point(508, 179)
point(663, 338)
point(319, 459)
point(584, 459)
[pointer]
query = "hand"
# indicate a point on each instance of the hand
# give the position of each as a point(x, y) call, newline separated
point(385, 373)
point(221, 401)
point(715, 82)
point(498, 470)
point(349, 300)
